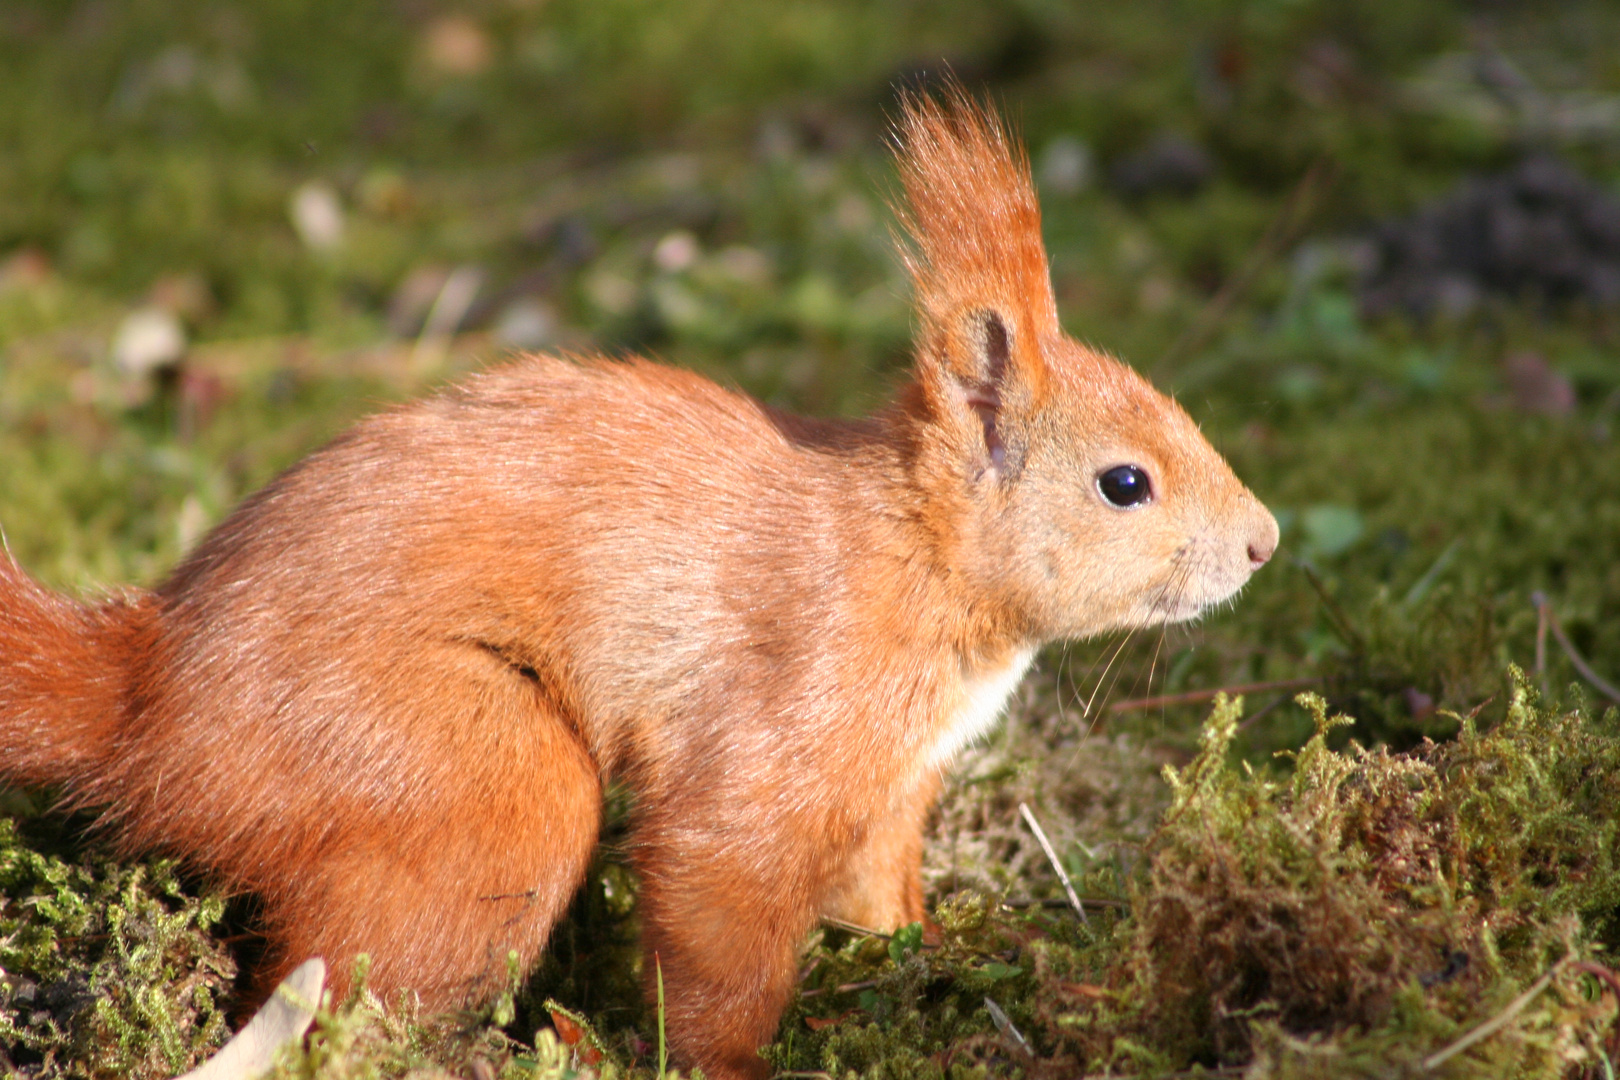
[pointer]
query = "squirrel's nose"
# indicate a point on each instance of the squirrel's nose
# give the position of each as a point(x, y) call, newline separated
point(1262, 538)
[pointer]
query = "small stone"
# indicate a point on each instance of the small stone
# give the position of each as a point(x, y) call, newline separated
point(25, 268)
point(1065, 166)
point(149, 338)
point(528, 323)
point(457, 45)
point(317, 216)
point(1536, 386)
point(612, 293)
point(677, 251)
point(1170, 164)
point(186, 295)
point(747, 265)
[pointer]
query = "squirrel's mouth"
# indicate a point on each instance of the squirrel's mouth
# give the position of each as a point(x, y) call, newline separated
point(1174, 609)
point(1190, 602)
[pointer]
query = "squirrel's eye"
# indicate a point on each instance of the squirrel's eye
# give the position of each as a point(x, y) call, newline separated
point(1125, 485)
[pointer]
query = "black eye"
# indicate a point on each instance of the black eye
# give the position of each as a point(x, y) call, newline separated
point(1125, 485)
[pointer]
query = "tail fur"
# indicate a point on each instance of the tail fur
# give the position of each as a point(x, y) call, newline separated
point(64, 674)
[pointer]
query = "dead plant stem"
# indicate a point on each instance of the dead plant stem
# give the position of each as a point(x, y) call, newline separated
point(1051, 857)
point(1494, 1024)
point(1293, 216)
point(1551, 621)
point(1192, 696)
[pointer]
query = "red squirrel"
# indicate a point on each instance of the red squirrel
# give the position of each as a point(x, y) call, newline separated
point(385, 693)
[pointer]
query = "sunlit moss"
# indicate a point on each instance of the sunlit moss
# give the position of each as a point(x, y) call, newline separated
point(106, 969)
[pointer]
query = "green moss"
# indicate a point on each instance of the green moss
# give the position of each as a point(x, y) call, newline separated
point(363, 1038)
point(106, 969)
point(1376, 903)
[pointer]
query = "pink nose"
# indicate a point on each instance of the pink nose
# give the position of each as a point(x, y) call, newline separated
point(1262, 538)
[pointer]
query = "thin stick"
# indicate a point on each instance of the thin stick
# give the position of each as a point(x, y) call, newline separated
point(1254, 717)
point(1205, 695)
point(1051, 857)
point(1005, 1025)
point(1494, 1024)
point(846, 988)
point(1542, 612)
point(853, 928)
point(1094, 901)
point(449, 308)
point(835, 923)
point(1227, 1070)
point(1336, 615)
point(1575, 658)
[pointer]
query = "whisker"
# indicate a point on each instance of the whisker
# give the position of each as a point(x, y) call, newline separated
point(1090, 715)
point(1153, 662)
point(1156, 604)
point(1118, 649)
point(1178, 581)
point(1057, 687)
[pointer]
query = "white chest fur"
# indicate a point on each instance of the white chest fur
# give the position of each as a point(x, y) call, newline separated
point(982, 700)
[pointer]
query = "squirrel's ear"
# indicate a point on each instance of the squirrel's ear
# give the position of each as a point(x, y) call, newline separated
point(990, 345)
point(988, 337)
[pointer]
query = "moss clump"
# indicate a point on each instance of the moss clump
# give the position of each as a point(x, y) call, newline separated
point(363, 1038)
point(1356, 915)
point(106, 969)
point(970, 1007)
point(1373, 906)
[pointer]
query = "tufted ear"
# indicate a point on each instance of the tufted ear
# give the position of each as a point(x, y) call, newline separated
point(970, 220)
point(972, 241)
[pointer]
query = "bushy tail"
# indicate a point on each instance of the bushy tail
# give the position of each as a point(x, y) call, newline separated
point(64, 679)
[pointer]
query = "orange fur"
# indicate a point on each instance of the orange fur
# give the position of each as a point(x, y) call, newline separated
point(384, 694)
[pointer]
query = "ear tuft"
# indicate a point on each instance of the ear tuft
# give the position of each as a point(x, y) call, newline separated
point(970, 214)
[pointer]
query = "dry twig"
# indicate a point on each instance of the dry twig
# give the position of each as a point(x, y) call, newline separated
point(1288, 223)
point(1192, 696)
point(844, 988)
point(1550, 621)
point(1494, 1024)
point(1051, 857)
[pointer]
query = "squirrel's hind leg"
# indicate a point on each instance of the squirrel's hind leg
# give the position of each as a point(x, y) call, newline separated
point(480, 861)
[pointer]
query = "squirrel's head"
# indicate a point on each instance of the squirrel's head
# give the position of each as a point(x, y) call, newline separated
point(1064, 488)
